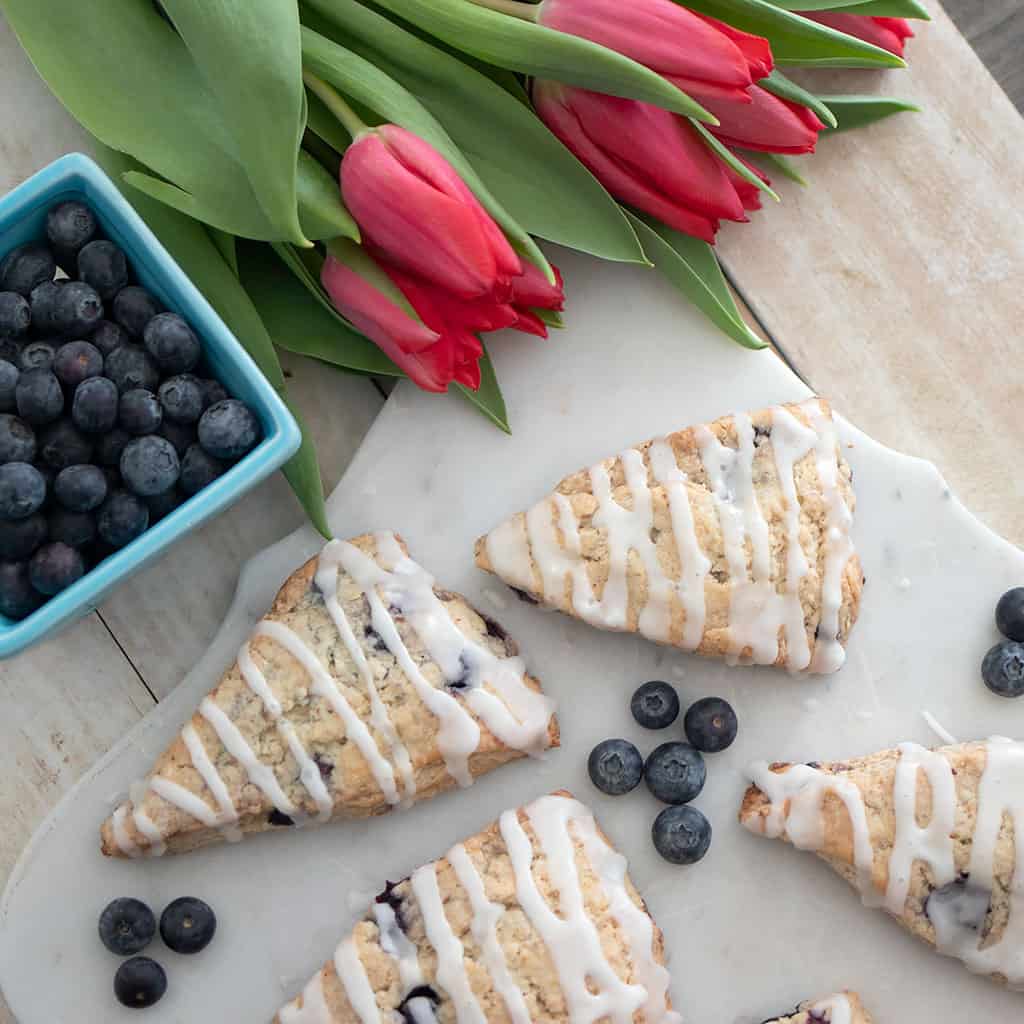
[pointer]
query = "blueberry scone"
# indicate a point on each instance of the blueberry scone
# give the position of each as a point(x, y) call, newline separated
point(842, 1008)
point(731, 539)
point(534, 920)
point(935, 837)
point(366, 687)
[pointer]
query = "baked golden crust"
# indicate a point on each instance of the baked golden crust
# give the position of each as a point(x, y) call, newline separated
point(349, 780)
point(828, 1011)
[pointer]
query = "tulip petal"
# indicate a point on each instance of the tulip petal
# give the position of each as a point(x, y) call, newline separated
point(888, 33)
point(532, 288)
point(769, 124)
point(529, 323)
point(756, 49)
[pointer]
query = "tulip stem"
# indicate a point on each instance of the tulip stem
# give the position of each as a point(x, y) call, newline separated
point(517, 9)
point(350, 120)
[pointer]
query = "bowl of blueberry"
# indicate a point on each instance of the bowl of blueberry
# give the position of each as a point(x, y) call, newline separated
point(129, 413)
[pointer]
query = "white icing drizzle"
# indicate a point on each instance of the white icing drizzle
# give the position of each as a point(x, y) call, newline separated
point(314, 1009)
point(124, 841)
point(451, 964)
point(484, 927)
point(836, 1007)
point(146, 826)
point(397, 945)
point(352, 974)
point(796, 796)
point(214, 783)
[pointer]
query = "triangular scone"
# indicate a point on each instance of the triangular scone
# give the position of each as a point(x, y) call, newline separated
point(365, 687)
point(534, 920)
point(936, 838)
point(731, 539)
point(842, 1008)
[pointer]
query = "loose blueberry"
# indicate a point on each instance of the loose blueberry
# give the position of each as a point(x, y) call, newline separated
point(1003, 669)
point(39, 397)
point(10, 351)
point(139, 982)
point(109, 336)
point(130, 367)
point(61, 445)
point(18, 598)
point(102, 265)
point(75, 362)
point(213, 392)
point(77, 309)
point(22, 490)
point(228, 429)
point(25, 267)
point(181, 435)
point(134, 307)
point(15, 315)
point(8, 382)
point(198, 469)
point(140, 412)
point(187, 925)
point(69, 226)
point(149, 465)
point(681, 835)
point(80, 488)
point(172, 343)
point(675, 772)
point(127, 926)
point(43, 303)
point(37, 355)
point(17, 440)
point(615, 767)
point(94, 407)
point(161, 505)
point(76, 529)
point(655, 705)
point(54, 567)
point(1009, 611)
point(122, 518)
point(110, 446)
point(182, 398)
point(710, 724)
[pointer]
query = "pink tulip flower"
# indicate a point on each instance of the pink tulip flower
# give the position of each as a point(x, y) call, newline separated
point(889, 33)
point(767, 123)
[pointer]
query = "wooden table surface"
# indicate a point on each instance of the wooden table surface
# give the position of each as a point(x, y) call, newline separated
point(891, 285)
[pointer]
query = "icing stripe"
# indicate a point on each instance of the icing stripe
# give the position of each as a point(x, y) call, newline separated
point(352, 974)
point(838, 1009)
point(314, 1009)
point(186, 800)
point(208, 772)
point(396, 944)
point(124, 841)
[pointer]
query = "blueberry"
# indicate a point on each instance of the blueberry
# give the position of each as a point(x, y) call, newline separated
point(172, 343)
point(18, 598)
point(1003, 669)
point(161, 505)
point(122, 518)
point(213, 392)
point(187, 925)
point(76, 529)
point(10, 351)
point(80, 488)
point(61, 445)
point(8, 382)
point(69, 226)
point(54, 567)
point(198, 468)
point(39, 397)
point(134, 307)
point(182, 398)
point(655, 705)
point(139, 982)
point(25, 267)
point(20, 538)
point(22, 490)
point(149, 465)
point(615, 767)
point(130, 367)
point(113, 474)
point(675, 772)
point(43, 303)
point(102, 265)
point(37, 355)
point(681, 835)
point(75, 362)
point(109, 336)
point(17, 440)
point(228, 429)
point(94, 406)
point(110, 446)
point(140, 412)
point(1009, 611)
point(78, 309)
point(710, 724)
point(181, 435)
point(15, 315)
point(127, 926)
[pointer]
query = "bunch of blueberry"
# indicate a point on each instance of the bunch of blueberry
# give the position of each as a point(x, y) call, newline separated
point(675, 771)
point(105, 426)
point(1003, 666)
point(127, 927)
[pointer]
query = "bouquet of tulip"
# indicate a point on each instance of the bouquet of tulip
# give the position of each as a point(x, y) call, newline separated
point(365, 181)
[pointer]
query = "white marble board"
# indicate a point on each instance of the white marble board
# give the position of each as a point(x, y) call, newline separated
point(752, 929)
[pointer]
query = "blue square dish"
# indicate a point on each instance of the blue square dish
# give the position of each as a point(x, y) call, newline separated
point(23, 218)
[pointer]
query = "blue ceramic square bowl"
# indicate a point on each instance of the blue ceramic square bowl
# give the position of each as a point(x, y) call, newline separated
point(22, 218)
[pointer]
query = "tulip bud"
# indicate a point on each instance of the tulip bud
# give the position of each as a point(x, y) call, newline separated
point(767, 123)
point(889, 33)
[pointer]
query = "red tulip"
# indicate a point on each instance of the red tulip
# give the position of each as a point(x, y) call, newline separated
point(643, 155)
point(767, 123)
point(889, 33)
point(750, 194)
point(696, 53)
point(415, 211)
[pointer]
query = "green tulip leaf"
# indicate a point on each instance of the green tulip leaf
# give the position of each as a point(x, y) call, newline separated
point(772, 162)
point(870, 8)
point(535, 50)
point(551, 317)
point(494, 128)
point(858, 111)
point(795, 40)
point(321, 211)
point(690, 266)
point(725, 154)
point(779, 85)
point(302, 471)
point(226, 245)
point(488, 397)
point(326, 126)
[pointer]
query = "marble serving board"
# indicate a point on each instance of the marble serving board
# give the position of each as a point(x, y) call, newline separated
point(753, 928)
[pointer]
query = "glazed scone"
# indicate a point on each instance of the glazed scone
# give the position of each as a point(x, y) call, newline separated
point(365, 687)
point(936, 838)
point(842, 1008)
point(534, 920)
point(731, 539)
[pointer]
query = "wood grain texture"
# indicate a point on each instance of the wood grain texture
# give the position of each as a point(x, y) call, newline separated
point(995, 28)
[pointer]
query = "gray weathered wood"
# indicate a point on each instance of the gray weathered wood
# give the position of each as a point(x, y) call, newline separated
point(995, 28)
